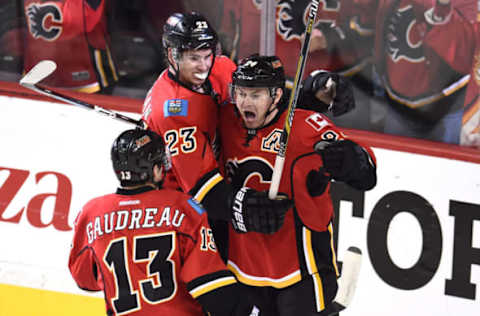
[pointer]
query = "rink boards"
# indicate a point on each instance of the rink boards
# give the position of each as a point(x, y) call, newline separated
point(419, 229)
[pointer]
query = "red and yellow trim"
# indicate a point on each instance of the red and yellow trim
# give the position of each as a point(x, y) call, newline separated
point(264, 281)
point(212, 285)
point(200, 195)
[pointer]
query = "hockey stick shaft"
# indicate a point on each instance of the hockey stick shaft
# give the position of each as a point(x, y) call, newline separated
point(46, 67)
point(280, 158)
point(77, 102)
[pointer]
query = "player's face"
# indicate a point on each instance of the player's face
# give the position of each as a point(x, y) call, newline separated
point(253, 105)
point(195, 65)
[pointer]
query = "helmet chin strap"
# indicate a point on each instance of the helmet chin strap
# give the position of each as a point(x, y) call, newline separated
point(175, 57)
point(271, 107)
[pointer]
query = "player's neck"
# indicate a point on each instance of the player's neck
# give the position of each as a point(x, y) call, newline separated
point(134, 187)
point(198, 88)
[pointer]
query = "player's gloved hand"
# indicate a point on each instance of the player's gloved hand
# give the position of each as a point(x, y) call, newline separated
point(440, 12)
point(442, 9)
point(346, 161)
point(317, 181)
point(253, 211)
point(338, 99)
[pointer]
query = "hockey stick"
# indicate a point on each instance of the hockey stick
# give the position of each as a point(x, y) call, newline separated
point(280, 158)
point(347, 282)
point(44, 69)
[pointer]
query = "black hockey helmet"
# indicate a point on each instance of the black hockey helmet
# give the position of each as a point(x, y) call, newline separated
point(134, 153)
point(259, 71)
point(189, 31)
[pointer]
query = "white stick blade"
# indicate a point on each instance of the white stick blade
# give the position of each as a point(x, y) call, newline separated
point(347, 282)
point(39, 72)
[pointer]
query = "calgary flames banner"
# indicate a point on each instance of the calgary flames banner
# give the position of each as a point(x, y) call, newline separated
point(419, 229)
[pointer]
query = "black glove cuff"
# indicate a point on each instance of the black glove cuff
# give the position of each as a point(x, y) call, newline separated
point(236, 201)
point(317, 182)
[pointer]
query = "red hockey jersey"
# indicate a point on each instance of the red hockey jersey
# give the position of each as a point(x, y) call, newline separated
point(412, 50)
point(349, 56)
point(303, 245)
point(470, 135)
point(151, 253)
point(72, 33)
point(188, 122)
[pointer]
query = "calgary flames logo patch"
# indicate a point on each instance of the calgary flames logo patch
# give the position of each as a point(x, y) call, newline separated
point(44, 21)
point(291, 19)
point(404, 38)
point(293, 16)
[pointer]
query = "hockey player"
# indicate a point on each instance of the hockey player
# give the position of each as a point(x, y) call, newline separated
point(73, 33)
point(298, 271)
point(423, 55)
point(341, 41)
point(182, 106)
point(470, 134)
point(150, 249)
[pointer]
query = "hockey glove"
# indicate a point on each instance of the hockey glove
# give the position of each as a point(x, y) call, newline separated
point(334, 35)
point(253, 211)
point(442, 10)
point(342, 94)
point(317, 182)
point(440, 13)
point(346, 161)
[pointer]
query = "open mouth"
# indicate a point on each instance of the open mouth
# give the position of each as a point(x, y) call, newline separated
point(249, 116)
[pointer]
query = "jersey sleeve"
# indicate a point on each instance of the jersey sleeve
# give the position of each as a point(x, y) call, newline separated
point(221, 78)
point(304, 202)
point(443, 39)
point(203, 270)
point(81, 262)
point(470, 132)
point(313, 128)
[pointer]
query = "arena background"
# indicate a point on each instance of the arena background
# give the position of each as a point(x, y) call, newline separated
point(419, 229)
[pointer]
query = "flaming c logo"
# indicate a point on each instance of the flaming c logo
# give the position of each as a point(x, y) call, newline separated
point(402, 42)
point(44, 21)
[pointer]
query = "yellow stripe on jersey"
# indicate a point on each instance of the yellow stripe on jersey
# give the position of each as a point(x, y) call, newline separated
point(332, 248)
point(264, 281)
point(200, 195)
point(430, 99)
point(308, 251)
point(91, 88)
point(312, 268)
point(212, 285)
point(467, 115)
point(319, 297)
point(112, 66)
point(99, 66)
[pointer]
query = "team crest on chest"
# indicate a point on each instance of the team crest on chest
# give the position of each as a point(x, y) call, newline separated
point(44, 21)
point(175, 107)
point(271, 143)
point(404, 39)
